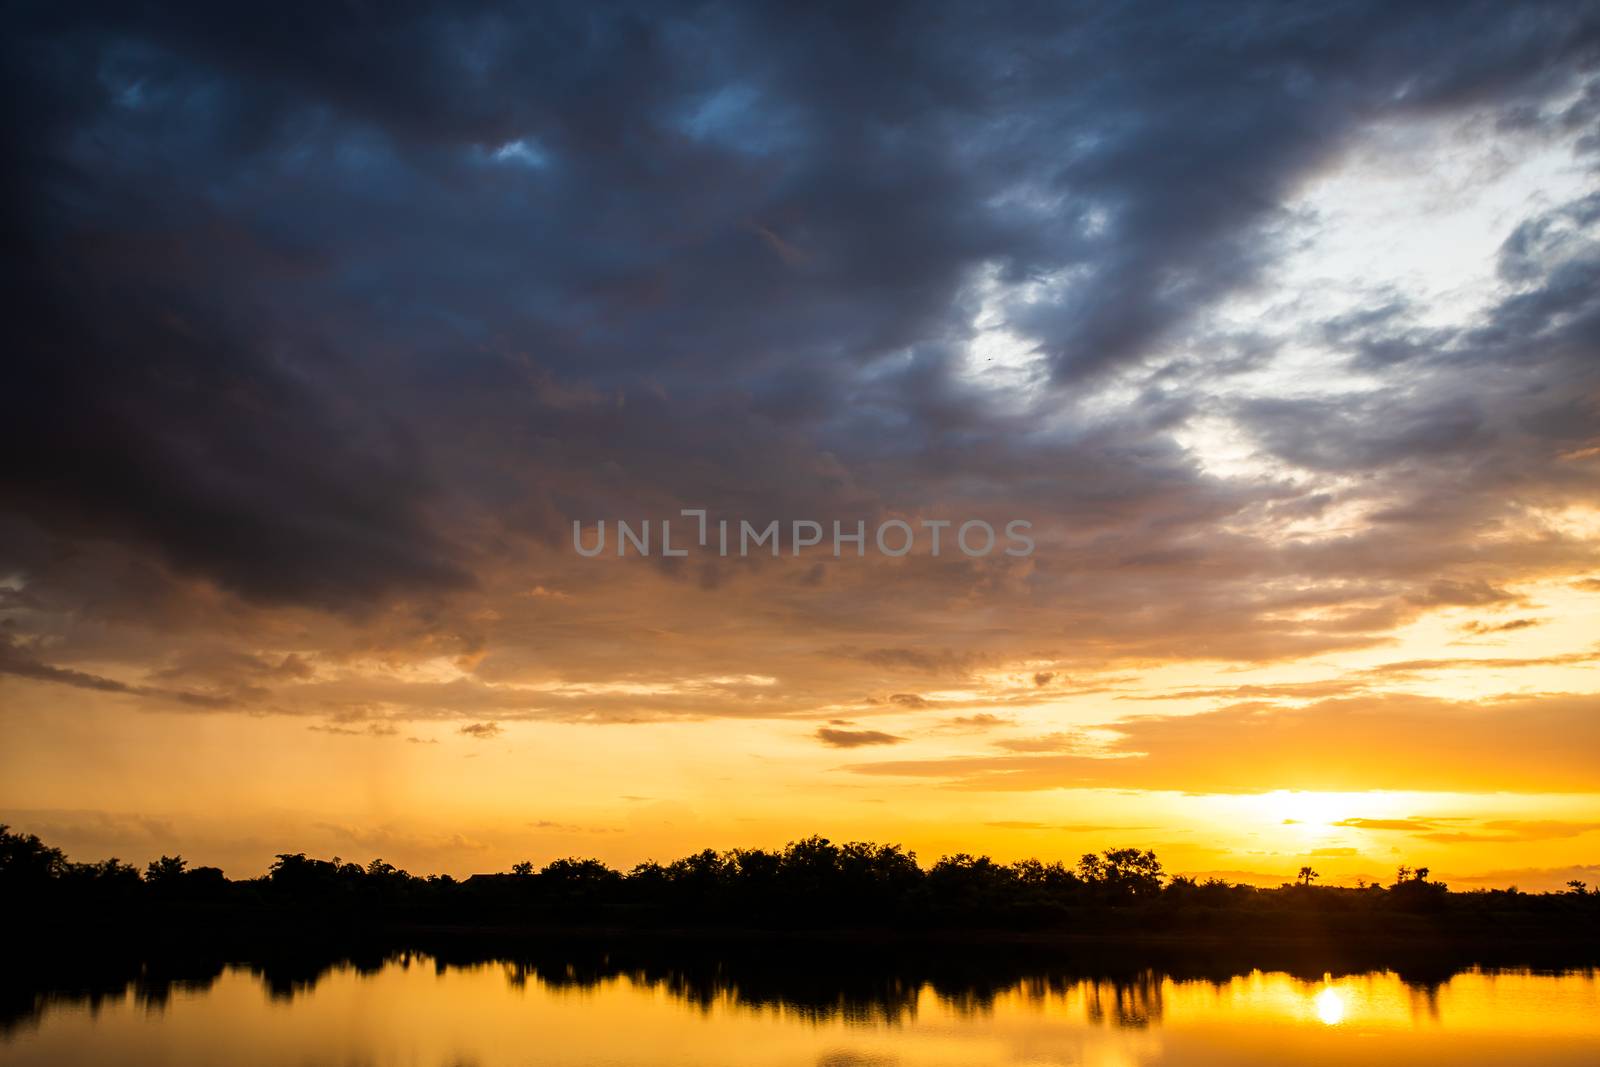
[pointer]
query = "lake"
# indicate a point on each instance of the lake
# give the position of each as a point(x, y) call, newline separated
point(413, 1009)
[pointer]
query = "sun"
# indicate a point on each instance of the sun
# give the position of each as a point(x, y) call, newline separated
point(1311, 809)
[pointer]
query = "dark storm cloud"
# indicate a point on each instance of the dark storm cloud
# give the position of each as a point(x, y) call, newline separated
point(334, 305)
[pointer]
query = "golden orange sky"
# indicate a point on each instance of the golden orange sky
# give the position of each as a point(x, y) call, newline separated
point(1354, 761)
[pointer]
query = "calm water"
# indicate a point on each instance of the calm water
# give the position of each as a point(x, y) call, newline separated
point(412, 1010)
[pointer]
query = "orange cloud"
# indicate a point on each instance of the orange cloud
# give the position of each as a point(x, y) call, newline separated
point(1541, 745)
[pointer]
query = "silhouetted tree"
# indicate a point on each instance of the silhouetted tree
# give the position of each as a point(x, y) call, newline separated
point(1413, 892)
point(168, 870)
point(25, 860)
point(1123, 874)
point(971, 887)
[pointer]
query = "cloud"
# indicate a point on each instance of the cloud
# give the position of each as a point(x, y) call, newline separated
point(1063, 741)
point(1071, 828)
point(1406, 667)
point(1540, 744)
point(1509, 831)
point(287, 428)
point(983, 720)
point(836, 738)
point(1477, 627)
point(373, 729)
point(482, 731)
point(1495, 831)
point(15, 661)
point(1290, 690)
point(941, 661)
point(1408, 825)
point(98, 833)
point(570, 828)
point(1529, 879)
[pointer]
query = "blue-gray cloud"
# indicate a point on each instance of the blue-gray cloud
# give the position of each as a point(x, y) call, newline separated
point(334, 306)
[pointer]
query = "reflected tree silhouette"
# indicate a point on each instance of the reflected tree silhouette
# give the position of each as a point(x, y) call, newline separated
point(797, 980)
point(1133, 1003)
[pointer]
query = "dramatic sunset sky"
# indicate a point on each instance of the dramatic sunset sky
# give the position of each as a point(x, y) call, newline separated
point(1280, 325)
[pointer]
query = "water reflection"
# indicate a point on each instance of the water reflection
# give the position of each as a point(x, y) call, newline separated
point(604, 1007)
point(1134, 1003)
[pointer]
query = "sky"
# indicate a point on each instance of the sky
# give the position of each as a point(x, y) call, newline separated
point(1279, 325)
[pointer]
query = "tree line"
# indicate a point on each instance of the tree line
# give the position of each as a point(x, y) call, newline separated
point(809, 883)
